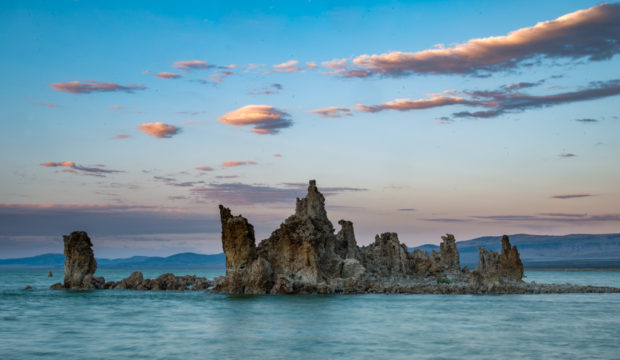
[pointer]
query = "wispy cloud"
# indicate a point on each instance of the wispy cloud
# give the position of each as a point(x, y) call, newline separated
point(287, 67)
point(159, 129)
point(332, 112)
point(168, 75)
point(553, 217)
point(49, 105)
point(173, 182)
point(238, 163)
point(204, 168)
point(121, 136)
point(570, 196)
point(90, 86)
point(587, 121)
point(567, 155)
point(265, 119)
point(592, 34)
point(277, 155)
point(406, 209)
point(268, 90)
point(500, 101)
point(246, 194)
point(220, 75)
point(189, 65)
point(72, 167)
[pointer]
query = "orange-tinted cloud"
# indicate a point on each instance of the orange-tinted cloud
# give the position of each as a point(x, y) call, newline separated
point(159, 129)
point(188, 65)
point(238, 163)
point(168, 75)
point(277, 155)
point(333, 112)
point(287, 67)
point(265, 118)
point(89, 86)
point(72, 167)
point(407, 104)
point(121, 136)
point(592, 34)
point(49, 105)
point(204, 168)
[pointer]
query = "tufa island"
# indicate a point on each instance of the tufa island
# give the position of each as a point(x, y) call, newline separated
point(305, 255)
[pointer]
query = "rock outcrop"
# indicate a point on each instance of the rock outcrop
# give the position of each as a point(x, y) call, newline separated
point(304, 255)
point(80, 263)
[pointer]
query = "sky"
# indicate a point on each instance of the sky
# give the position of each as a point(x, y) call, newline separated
point(422, 118)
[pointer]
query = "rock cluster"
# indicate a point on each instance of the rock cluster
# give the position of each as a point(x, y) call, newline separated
point(80, 266)
point(304, 255)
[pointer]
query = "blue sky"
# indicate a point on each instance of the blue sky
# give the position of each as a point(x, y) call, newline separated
point(133, 123)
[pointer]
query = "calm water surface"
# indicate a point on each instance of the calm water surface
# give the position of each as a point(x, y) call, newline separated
point(115, 324)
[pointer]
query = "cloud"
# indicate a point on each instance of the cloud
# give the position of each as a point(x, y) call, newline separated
point(553, 217)
point(592, 34)
point(406, 209)
point(116, 107)
point(246, 194)
point(159, 130)
point(311, 65)
point(337, 66)
point(189, 65)
point(220, 75)
point(277, 155)
point(238, 163)
point(204, 168)
point(100, 219)
point(268, 90)
point(168, 75)
point(287, 67)
point(72, 167)
point(407, 104)
point(174, 182)
point(90, 86)
point(570, 196)
point(450, 220)
point(567, 155)
point(121, 136)
point(49, 105)
point(587, 121)
point(501, 101)
point(265, 119)
point(332, 112)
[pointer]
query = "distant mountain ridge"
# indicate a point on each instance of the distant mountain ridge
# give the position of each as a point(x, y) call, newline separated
point(594, 251)
point(182, 260)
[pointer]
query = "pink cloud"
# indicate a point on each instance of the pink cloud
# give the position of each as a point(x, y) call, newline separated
point(238, 163)
point(189, 65)
point(116, 107)
point(204, 168)
point(168, 75)
point(333, 112)
point(277, 155)
point(567, 155)
point(121, 136)
point(311, 65)
point(407, 104)
point(265, 118)
point(89, 86)
point(159, 129)
point(72, 167)
point(220, 75)
point(287, 67)
point(591, 34)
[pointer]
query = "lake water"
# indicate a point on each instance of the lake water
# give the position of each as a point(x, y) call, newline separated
point(120, 324)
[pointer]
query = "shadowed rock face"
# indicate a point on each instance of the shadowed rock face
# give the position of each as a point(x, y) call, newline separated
point(494, 269)
point(80, 263)
point(449, 255)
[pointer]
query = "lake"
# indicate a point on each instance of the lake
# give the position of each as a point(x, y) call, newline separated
point(113, 324)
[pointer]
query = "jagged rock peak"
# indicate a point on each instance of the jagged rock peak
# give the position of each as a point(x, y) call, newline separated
point(449, 253)
point(313, 205)
point(511, 266)
point(80, 263)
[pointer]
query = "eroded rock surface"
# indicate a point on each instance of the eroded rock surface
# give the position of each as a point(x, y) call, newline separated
point(80, 263)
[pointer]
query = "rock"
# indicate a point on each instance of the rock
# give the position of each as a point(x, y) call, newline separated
point(346, 246)
point(80, 263)
point(386, 256)
point(511, 267)
point(421, 262)
point(449, 254)
point(27, 287)
point(351, 268)
point(57, 286)
point(50, 274)
point(132, 281)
